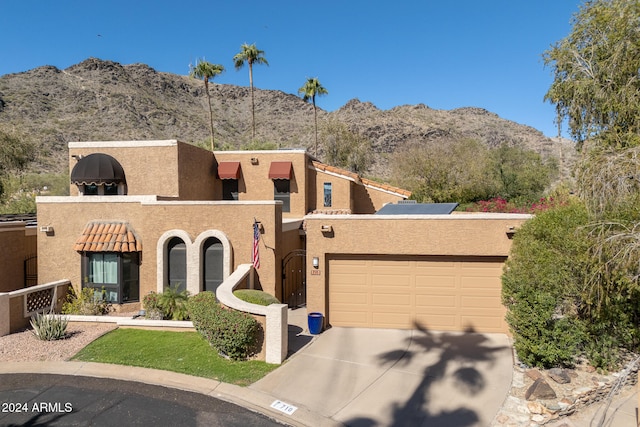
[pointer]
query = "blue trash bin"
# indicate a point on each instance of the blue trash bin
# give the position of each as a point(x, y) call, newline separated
point(315, 323)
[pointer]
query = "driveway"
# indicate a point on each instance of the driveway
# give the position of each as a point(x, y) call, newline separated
point(367, 377)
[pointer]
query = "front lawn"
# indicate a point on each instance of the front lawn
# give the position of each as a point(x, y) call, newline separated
point(183, 352)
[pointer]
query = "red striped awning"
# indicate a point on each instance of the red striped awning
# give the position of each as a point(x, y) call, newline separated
point(280, 170)
point(228, 170)
point(108, 236)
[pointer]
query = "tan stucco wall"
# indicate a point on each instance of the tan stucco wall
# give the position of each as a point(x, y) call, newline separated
point(17, 242)
point(254, 182)
point(459, 235)
point(150, 167)
point(341, 197)
point(368, 200)
point(151, 219)
point(197, 173)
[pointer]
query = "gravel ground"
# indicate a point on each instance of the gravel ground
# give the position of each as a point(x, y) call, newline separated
point(24, 346)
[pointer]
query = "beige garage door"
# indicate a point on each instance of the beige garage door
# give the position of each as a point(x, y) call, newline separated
point(437, 293)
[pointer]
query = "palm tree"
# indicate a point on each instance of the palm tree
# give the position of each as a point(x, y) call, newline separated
point(311, 88)
point(206, 71)
point(251, 55)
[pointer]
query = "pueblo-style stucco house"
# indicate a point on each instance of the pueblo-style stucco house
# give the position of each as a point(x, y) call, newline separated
point(145, 215)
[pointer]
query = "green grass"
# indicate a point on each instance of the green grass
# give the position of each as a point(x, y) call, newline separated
point(183, 352)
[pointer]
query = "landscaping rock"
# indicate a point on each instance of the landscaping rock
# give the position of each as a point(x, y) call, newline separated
point(561, 376)
point(534, 374)
point(535, 407)
point(540, 389)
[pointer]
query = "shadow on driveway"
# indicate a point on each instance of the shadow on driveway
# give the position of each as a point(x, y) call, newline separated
point(454, 387)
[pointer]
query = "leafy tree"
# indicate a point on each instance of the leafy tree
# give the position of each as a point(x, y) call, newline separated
point(596, 80)
point(207, 71)
point(250, 54)
point(311, 88)
point(444, 171)
point(344, 148)
point(16, 152)
point(521, 174)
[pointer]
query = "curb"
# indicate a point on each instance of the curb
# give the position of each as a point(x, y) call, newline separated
point(242, 396)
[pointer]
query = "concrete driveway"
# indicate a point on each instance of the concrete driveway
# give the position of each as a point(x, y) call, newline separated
point(375, 377)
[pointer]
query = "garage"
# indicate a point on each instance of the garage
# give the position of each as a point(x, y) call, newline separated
point(446, 293)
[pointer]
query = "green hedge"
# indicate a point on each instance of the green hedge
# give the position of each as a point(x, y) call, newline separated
point(541, 286)
point(230, 332)
point(255, 296)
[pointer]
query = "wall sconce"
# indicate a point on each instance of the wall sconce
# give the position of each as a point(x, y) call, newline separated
point(260, 227)
point(254, 160)
point(77, 156)
point(511, 230)
point(315, 261)
point(326, 229)
point(47, 229)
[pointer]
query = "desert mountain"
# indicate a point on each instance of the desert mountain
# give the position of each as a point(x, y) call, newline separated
point(99, 100)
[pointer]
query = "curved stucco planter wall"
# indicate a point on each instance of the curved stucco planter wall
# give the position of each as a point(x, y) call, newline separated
point(276, 333)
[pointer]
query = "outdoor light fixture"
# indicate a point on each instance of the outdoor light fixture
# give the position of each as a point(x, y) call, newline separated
point(254, 160)
point(326, 229)
point(315, 261)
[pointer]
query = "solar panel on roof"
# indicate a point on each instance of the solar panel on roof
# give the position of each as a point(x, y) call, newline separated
point(418, 209)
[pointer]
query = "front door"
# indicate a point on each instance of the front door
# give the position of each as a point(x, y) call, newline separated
point(294, 280)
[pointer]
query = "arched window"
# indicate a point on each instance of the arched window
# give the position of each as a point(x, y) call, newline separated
point(212, 265)
point(177, 265)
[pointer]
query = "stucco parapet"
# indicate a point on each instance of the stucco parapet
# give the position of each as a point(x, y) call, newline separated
point(254, 152)
point(457, 217)
point(123, 144)
point(96, 199)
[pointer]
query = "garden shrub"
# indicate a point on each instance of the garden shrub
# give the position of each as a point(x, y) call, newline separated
point(541, 286)
point(151, 305)
point(255, 296)
point(49, 327)
point(230, 332)
point(173, 303)
point(88, 302)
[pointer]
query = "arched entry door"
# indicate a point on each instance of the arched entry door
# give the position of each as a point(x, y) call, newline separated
point(212, 266)
point(294, 278)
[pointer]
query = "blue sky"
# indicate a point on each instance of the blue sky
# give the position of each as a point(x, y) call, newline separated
point(444, 54)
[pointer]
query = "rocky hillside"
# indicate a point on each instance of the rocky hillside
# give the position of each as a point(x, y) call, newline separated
point(103, 100)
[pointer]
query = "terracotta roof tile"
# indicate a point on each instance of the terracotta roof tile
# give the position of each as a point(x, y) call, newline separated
point(108, 236)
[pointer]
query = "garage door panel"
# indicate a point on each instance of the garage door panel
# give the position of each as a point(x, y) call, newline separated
point(482, 302)
point(390, 299)
point(349, 279)
point(447, 282)
point(430, 301)
point(350, 298)
point(391, 320)
point(483, 323)
point(479, 282)
point(435, 292)
point(444, 322)
point(390, 280)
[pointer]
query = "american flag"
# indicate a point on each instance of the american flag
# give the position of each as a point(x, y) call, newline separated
point(256, 248)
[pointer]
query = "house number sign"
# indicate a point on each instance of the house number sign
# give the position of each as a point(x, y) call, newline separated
point(315, 272)
point(283, 407)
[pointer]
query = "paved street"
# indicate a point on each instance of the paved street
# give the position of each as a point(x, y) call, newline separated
point(57, 400)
